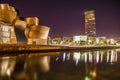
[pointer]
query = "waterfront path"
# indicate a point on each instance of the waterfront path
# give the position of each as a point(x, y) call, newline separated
point(25, 48)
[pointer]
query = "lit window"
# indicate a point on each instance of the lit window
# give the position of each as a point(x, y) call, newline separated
point(77, 38)
point(6, 34)
point(5, 28)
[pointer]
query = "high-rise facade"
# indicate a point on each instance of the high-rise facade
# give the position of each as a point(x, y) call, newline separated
point(90, 26)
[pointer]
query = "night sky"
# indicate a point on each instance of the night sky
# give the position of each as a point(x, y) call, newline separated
point(66, 17)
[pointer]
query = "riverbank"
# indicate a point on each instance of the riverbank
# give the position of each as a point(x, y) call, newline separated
point(24, 48)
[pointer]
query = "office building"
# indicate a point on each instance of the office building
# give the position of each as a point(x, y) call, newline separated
point(90, 26)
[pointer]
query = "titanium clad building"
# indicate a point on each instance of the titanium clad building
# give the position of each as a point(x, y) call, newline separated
point(90, 26)
point(36, 34)
point(7, 18)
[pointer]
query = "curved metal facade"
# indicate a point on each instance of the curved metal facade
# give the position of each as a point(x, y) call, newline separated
point(40, 32)
point(32, 21)
point(37, 34)
point(7, 18)
point(7, 13)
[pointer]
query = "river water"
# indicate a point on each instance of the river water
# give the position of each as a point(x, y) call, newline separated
point(70, 65)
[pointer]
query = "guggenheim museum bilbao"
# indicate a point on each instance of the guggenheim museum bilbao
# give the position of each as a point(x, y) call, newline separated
point(9, 19)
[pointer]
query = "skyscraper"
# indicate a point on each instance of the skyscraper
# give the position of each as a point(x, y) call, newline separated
point(90, 26)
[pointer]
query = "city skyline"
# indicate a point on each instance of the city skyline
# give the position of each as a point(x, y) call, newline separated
point(67, 17)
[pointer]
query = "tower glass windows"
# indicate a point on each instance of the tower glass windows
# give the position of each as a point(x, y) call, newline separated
point(90, 26)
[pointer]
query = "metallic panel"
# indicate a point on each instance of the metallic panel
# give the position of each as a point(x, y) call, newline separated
point(38, 32)
point(7, 13)
point(32, 21)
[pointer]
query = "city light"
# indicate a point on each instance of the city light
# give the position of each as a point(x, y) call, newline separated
point(83, 44)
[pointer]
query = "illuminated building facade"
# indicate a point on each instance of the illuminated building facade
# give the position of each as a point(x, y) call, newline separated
point(90, 26)
point(36, 34)
point(7, 34)
point(7, 18)
point(80, 39)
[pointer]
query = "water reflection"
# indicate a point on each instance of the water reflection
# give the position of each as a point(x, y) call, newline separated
point(76, 57)
point(95, 56)
point(7, 65)
point(75, 65)
point(24, 67)
point(35, 66)
point(31, 67)
point(88, 62)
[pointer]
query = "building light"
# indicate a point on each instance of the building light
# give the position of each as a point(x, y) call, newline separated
point(80, 38)
point(5, 28)
point(97, 40)
point(76, 38)
point(111, 41)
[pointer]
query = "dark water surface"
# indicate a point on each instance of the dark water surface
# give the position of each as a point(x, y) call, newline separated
point(73, 65)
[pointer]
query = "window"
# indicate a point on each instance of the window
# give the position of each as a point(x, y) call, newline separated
point(5, 28)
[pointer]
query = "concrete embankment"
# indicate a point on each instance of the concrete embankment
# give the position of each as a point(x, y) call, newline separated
point(7, 48)
point(98, 47)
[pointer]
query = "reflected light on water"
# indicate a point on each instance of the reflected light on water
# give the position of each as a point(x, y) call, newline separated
point(68, 56)
point(97, 56)
point(7, 65)
point(107, 56)
point(90, 57)
point(64, 56)
point(86, 65)
point(44, 63)
point(101, 57)
point(85, 58)
point(57, 58)
point(76, 57)
point(8, 72)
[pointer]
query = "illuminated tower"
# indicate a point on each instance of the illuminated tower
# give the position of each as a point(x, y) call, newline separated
point(90, 27)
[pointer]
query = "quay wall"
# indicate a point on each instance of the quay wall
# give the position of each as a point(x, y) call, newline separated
point(25, 48)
